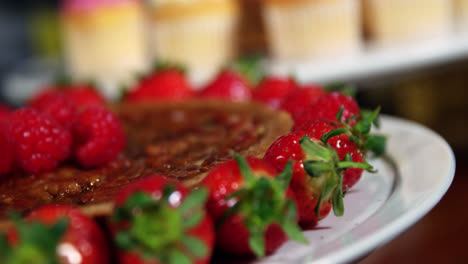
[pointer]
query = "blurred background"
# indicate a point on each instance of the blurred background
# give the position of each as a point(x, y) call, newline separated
point(409, 56)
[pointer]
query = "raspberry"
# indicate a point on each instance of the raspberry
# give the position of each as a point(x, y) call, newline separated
point(58, 106)
point(40, 143)
point(99, 137)
point(6, 155)
point(5, 112)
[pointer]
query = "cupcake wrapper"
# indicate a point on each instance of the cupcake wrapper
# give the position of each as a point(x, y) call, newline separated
point(205, 41)
point(461, 14)
point(396, 20)
point(313, 29)
point(110, 52)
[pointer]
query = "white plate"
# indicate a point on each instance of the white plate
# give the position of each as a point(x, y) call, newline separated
point(414, 176)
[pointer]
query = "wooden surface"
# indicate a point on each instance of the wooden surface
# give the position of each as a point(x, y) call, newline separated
point(441, 237)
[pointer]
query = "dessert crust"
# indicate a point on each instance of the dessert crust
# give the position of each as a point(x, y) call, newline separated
point(273, 123)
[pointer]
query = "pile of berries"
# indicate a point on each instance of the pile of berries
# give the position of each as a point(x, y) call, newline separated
point(244, 207)
point(59, 125)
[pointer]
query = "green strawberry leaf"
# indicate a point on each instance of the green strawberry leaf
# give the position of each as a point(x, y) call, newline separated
point(244, 168)
point(195, 199)
point(376, 144)
point(168, 65)
point(337, 199)
point(284, 178)
point(250, 67)
point(124, 241)
point(257, 242)
point(316, 169)
point(195, 246)
point(177, 257)
point(194, 220)
point(346, 89)
point(289, 224)
point(333, 133)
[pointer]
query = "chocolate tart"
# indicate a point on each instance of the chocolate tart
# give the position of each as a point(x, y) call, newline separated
point(184, 140)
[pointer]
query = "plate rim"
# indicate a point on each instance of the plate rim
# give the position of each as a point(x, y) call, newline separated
point(406, 220)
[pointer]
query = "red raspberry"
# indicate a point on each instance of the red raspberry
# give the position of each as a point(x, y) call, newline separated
point(98, 135)
point(328, 106)
point(272, 91)
point(40, 143)
point(6, 155)
point(58, 106)
point(5, 112)
point(297, 100)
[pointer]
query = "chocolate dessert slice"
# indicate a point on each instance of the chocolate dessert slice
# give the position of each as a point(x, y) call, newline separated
point(183, 140)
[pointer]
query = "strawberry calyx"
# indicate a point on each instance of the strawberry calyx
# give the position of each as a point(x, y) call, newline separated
point(346, 89)
point(250, 67)
point(360, 133)
point(160, 66)
point(326, 172)
point(157, 230)
point(261, 202)
point(37, 243)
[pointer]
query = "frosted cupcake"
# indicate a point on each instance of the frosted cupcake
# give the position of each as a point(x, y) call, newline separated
point(298, 29)
point(104, 41)
point(200, 34)
point(389, 21)
point(461, 12)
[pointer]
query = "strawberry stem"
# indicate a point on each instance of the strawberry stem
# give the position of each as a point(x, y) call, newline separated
point(262, 202)
point(37, 242)
point(158, 230)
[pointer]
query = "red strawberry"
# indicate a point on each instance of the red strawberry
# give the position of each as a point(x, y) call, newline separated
point(58, 106)
point(317, 174)
point(297, 100)
point(167, 84)
point(327, 107)
point(273, 90)
point(228, 85)
point(340, 143)
point(55, 234)
point(251, 208)
point(158, 220)
point(84, 95)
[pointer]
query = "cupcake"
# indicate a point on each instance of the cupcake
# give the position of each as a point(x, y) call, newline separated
point(389, 21)
point(104, 41)
point(461, 13)
point(200, 34)
point(298, 29)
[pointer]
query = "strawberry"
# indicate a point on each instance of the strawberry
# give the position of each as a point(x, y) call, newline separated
point(273, 90)
point(251, 207)
point(327, 107)
point(341, 144)
point(84, 95)
point(358, 133)
point(228, 85)
point(158, 220)
point(54, 234)
point(163, 84)
point(317, 180)
point(298, 99)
